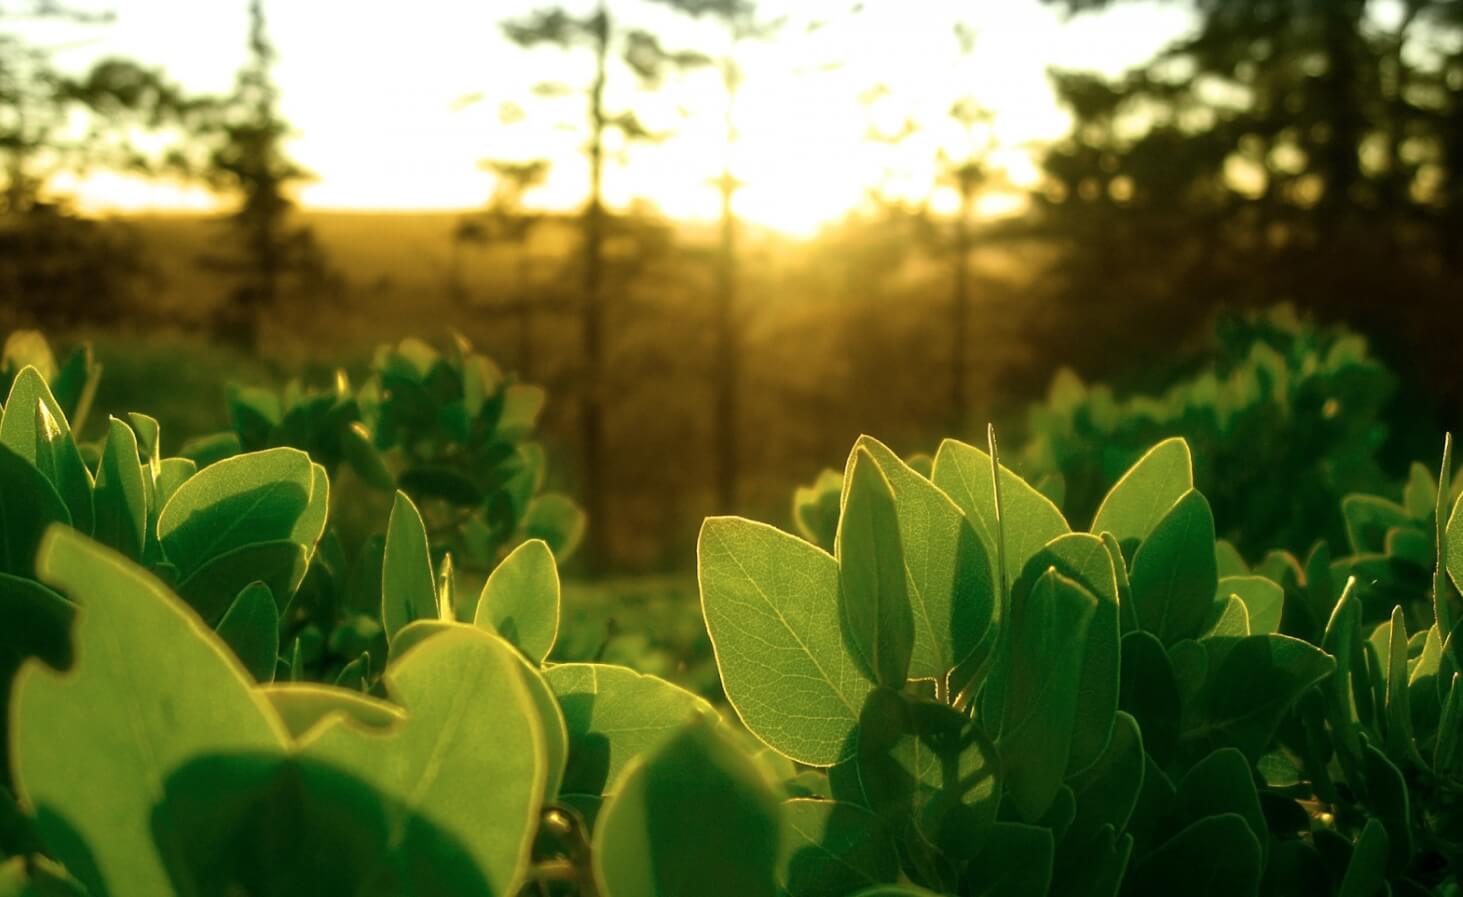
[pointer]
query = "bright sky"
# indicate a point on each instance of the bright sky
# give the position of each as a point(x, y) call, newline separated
point(374, 90)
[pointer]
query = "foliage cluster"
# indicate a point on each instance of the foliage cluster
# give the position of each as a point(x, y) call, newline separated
point(964, 697)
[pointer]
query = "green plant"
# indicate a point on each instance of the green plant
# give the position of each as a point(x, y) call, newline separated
point(1003, 706)
point(1285, 417)
point(964, 697)
point(449, 429)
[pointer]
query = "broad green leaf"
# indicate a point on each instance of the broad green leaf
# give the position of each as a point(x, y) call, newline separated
point(1143, 496)
point(1368, 519)
point(1446, 606)
point(1231, 621)
point(557, 520)
point(37, 624)
point(360, 450)
point(1366, 874)
point(692, 819)
point(815, 508)
point(18, 426)
point(545, 702)
point(949, 578)
point(1048, 644)
point(833, 847)
point(1029, 519)
point(874, 601)
point(1093, 866)
point(771, 607)
point(1150, 692)
point(895, 891)
point(1222, 783)
point(520, 600)
point(212, 588)
point(1446, 753)
point(1215, 857)
point(1245, 698)
point(28, 348)
point(251, 629)
point(1174, 574)
point(1384, 792)
point(925, 766)
point(28, 505)
point(311, 524)
point(1228, 560)
point(1083, 559)
point(1263, 598)
point(1107, 791)
point(302, 706)
point(121, 493)
point(57, 457)
point(446, 590)
point(244, 500)
point(408, 585)
point(522, 403)
point(1013, 860)
point(614, 715)
point(461, 690)
point(92, 747)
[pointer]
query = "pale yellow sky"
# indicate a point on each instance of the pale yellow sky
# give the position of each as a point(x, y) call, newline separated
point(372, 88)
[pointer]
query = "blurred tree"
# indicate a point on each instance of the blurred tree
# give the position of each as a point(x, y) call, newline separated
point(248, 158)
point(1309, 150)
point(505, 220)
point(603, 39)
point(57, 267)
point(739, 23)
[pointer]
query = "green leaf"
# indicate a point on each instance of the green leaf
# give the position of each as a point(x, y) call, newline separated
point(771, 607)
point(520, 600)
point(1222, 783)
point(692, 819)
point(545, 703)
point(1215, 857)
point(251, 629)
point(1369, 518)
point(1049, 634)
point(1453, 544)
point(949, 581)
point(461, 690)
point(1029, 520)
point(18, 425)
point(58, 458)
point(1245, 698)
point(1228, 560)
point(1150, 692)
point(1093, 866)
point(311, 525)
point(1013, 860)
point(1174, 574)
point(557, 520)
point(360, 451)
point(1142, 496)
point(408, 585)
point(28, 505)
point(1263, 598)
point(1083, 559)
point(927, 767)
point(121, 493)
point(1399, 741)
point(815, 508)
point(833, 847)
point(1366, 873)
point(244, 500)
point(303, 706)
point(1445, 603)
point(211, 590)
point(1342, 640)
point(1385, 794)
point(614, 715)
point(92, 747)
point(874, 603)
point(37, 625)
point(1107, 791)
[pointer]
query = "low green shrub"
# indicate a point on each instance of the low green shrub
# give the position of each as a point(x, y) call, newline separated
point(965, 697)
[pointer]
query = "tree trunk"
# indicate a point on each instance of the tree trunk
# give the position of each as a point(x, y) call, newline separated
point(591, 400)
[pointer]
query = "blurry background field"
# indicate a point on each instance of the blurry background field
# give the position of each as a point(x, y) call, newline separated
point(730, 236)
